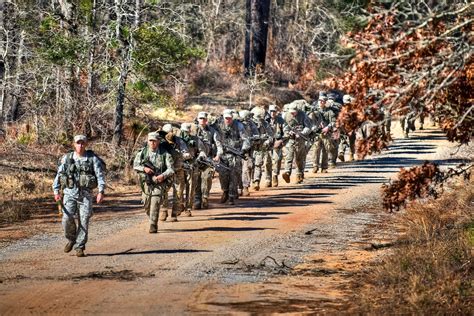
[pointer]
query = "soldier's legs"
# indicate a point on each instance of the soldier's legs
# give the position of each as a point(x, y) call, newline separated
point(224, 175)
point(247, 166)
point(85, 213)
point(259, 157)
point(277, 158)
point(68, 221)
point(300, 159)
point(317, 150)
point(268, 165)
point(192, 185)
point(324, 153)
point(178, 191)
point(289, 156)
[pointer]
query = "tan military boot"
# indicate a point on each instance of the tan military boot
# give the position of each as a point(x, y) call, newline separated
point(163, 215)
point(315, 169)
point(231, 200)
point(173, 219)
point(351, 157)
point(341, 157)
point(275, 181)
point(69, 246)
point(286, 177)
point(268, 183)
point(187, 213)
point(245, 191)
point(80, 253)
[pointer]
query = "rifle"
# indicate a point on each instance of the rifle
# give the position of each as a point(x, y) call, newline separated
point(211, 163)
point(149, 177)
point(297, 132)
point(259, 138)
point(234, 152)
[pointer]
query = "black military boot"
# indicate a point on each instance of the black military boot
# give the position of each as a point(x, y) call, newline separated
point(153, 229)
point(224, 196)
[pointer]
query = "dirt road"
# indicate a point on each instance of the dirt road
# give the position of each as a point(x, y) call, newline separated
point(285, 249)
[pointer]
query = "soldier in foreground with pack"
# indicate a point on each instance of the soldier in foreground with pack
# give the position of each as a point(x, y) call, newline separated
point(79, 172)
point(155, 168)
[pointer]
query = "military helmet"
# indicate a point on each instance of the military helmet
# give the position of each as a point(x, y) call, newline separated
point(167, 128)
point(258, 112)
point(347, 99)
point(244, 114)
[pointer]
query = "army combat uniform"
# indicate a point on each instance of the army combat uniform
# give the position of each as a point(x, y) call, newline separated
point(213, 147)
point(78, 176)
point(234, 137)
point(262, 148)
point(274, 165)
point(153, 193)
point(296, 130)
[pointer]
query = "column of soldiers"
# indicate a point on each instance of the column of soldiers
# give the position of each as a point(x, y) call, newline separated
point(177, 165)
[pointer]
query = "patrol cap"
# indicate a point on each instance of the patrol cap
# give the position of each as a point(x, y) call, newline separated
point(346, 99)
point(272, 108)
point(79, 138)
point(186, 127)
point(227, 113)
point(202, 115)
point(167, 128)
point(153, 136)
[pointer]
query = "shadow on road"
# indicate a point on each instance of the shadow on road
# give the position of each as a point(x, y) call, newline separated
point(146, 252)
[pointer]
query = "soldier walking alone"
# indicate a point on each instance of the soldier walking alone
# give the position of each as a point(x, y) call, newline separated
point(79, 173)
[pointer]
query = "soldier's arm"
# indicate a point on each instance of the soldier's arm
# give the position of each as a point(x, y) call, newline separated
point(217, 141)
point(169, 166)
point(244, 137)
point(99, 173)
point(307, 125)
point(137, 163)
point(56, 182)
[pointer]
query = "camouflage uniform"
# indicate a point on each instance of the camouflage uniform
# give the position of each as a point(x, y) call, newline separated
point(262, 146)
point(77, 198)
point(213, 147)
point(234, 136)
point(196, 149)
point(249, 163)
point(153, 194)
point(276, 125)
point(325, 144)
point(296, 129)
point(179, 151)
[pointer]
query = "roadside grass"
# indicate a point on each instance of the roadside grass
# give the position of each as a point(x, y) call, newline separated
point(431, 271)
point(22, 195)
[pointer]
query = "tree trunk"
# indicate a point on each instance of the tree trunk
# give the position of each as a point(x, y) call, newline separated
point(127, 49)
point(248, 35)
point(257, 50)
